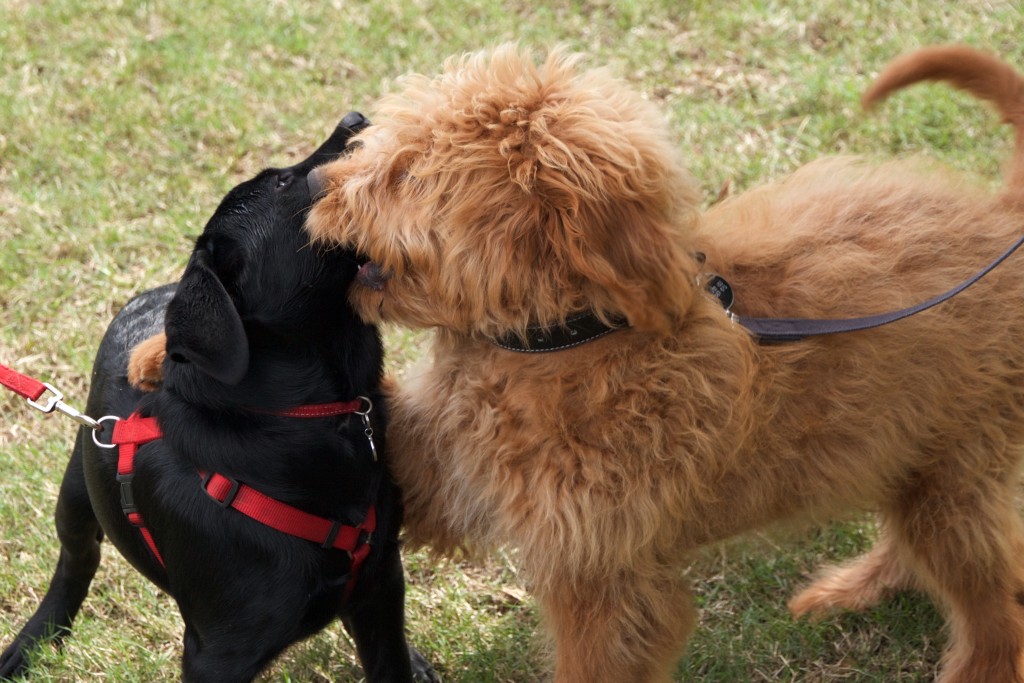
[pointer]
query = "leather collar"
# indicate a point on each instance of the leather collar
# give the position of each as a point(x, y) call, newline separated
point(578, 329)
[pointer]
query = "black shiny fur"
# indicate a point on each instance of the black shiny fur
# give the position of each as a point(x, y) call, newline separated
point(258, 322)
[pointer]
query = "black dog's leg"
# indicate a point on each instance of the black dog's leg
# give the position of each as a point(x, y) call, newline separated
point(235, 641)
point(376, 622)
point(80, 537)
point(224, 662)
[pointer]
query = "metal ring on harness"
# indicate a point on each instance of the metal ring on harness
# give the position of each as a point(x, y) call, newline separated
point(96, 432)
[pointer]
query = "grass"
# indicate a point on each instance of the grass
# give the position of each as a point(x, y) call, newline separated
point(123, 122)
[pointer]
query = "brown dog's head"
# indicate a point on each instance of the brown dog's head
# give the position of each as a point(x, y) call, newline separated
point(506, 192)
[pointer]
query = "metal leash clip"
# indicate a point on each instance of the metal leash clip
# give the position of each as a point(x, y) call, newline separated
point(56, 402)
point(368, 431)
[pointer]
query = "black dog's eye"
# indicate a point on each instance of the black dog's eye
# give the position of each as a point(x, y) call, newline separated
point(284, 179)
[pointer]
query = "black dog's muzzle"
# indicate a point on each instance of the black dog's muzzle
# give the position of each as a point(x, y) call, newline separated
point(315, 183)
point(354, 122)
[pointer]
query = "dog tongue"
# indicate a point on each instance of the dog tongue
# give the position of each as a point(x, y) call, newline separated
point(371, 275)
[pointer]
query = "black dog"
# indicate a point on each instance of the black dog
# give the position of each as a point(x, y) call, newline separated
point(271, 391)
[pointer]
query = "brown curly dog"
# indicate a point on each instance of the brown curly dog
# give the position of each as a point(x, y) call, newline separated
point(507, 199)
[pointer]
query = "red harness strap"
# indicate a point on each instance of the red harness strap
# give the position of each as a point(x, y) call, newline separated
point(129, 435)
point(135, 431)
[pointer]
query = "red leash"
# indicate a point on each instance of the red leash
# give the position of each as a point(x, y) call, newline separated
point(20, 384)
point(32, 389)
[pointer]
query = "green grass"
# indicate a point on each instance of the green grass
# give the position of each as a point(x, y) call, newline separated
point(123, 123)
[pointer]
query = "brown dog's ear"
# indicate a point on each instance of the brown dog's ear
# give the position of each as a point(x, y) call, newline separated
point(635, 261)
point(204, 328)
point(623, 225)
point(611, 200)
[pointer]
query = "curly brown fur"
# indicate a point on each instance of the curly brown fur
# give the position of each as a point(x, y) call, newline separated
point(607, 464)
point(548, 164)
point(507, 192)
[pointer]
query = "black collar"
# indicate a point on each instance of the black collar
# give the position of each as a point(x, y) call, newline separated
point(577, 330)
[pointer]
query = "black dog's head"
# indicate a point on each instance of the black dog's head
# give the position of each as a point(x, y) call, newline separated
point(254, 275)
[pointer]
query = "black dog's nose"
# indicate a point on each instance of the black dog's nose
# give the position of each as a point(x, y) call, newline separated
point(355, 121)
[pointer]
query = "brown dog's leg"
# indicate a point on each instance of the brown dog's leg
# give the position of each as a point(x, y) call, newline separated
point(417, 457)
point(621, 628)
point(857, 585)
point(144, 364)
point(966, 541)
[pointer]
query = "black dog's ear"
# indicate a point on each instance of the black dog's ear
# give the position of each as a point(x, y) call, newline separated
point(204, 328)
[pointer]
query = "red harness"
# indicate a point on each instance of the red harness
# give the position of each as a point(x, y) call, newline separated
point(135, 431)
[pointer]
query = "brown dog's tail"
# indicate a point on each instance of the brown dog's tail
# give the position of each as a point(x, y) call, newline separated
point(968, 69)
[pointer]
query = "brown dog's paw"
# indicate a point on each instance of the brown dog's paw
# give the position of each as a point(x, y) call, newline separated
point(144, 364)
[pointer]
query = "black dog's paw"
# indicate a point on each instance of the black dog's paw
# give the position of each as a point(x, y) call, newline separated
point(14, 662)
point(422, 672)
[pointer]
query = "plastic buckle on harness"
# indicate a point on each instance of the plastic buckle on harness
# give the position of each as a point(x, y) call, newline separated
point(226, 501)
point(331, 535)
point(363, 545)
point(127, 498)
point(365, 537)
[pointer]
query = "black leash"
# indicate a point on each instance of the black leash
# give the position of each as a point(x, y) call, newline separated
point(776, 330)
